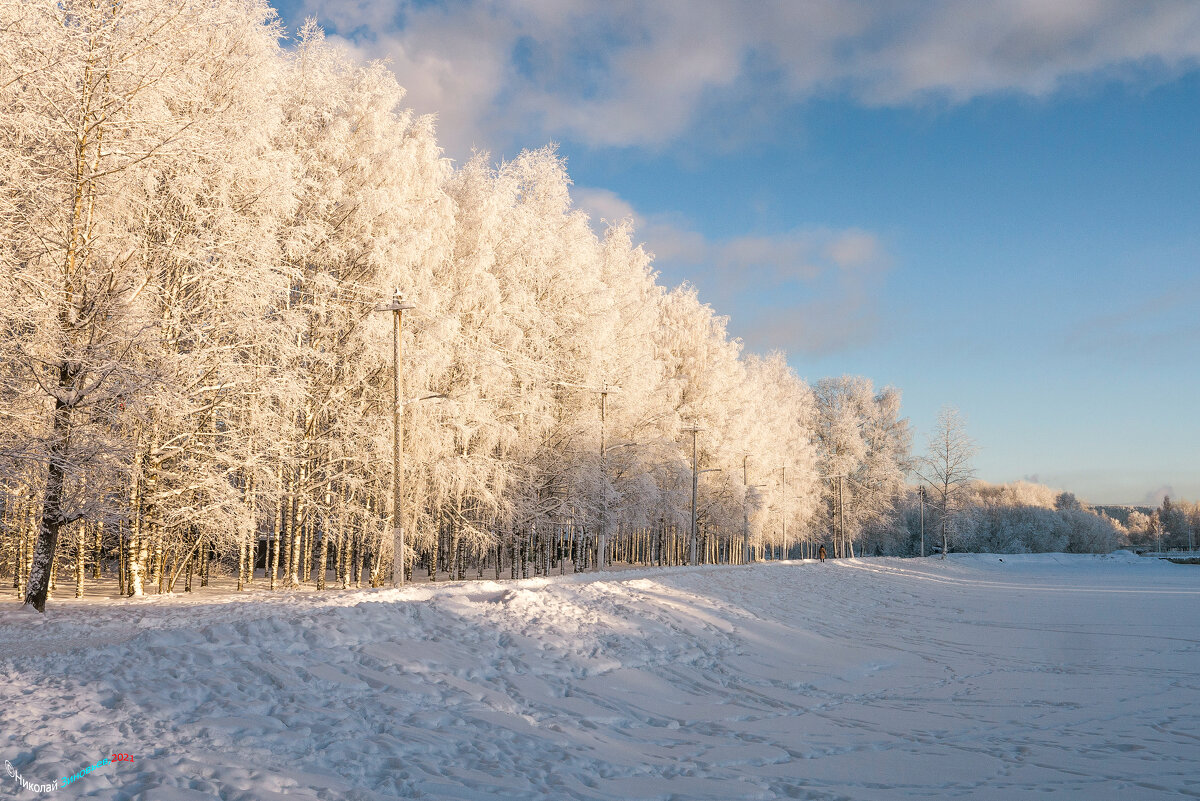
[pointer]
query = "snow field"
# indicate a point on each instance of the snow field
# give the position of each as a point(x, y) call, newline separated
point(1073, 676)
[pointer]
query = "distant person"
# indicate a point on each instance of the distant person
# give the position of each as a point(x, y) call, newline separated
point(821, 553)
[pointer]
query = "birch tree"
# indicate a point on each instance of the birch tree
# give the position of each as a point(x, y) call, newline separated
point(946, 467)
point(198, 228)
point(96, 94)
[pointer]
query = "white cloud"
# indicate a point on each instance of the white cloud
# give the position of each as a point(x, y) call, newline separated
point(813, 290)
point(668, 238)
point(631, 73)
point(604, 205)
point(810, 290)
point(854, 249)
point(1141, 328)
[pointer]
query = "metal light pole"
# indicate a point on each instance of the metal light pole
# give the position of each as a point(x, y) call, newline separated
point(397, 307)
point(702, 472)
point(842, 519)
point(745, 511)
point(783, 481)
point(694, 429)
point(603, 536)
point(921, 492)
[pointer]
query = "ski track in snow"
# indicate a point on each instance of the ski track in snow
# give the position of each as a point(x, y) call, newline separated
point(1073, 676)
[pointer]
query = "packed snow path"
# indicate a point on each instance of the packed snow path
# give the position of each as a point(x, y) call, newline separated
point(973, 677)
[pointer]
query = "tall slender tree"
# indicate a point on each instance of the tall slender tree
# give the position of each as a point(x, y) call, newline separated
point(947, 467)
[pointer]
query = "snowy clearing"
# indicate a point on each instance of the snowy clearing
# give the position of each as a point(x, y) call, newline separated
point(981, 676)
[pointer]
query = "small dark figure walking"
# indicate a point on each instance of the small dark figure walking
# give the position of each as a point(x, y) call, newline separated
point(821, 553)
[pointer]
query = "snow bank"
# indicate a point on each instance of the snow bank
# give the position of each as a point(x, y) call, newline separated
point(874, 678)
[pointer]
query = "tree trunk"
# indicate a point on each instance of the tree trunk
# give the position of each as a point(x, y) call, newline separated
point(284, 537)
point(433, 553)
point(512, 537)
point(158, 567)
point(251, 533)
point(133, 573)
point(461, 558)
point(453, 568)
point(206, 556)
point(322, 560)
point(269, 556)
point(343, 569)
point(18, 553)
point(121, 571)
point(38, 586)
point(294, 532)
point(98, 550)
point(241, 580)
point(524, 554)
point(360, 565)
point(80, 550)
point(304, 541)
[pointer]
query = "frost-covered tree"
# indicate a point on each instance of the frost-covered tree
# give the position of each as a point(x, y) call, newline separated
point(1140, 527)
point(99, 99)
point(946, 467)
point(1175, 525)
point(863, 446)
point(199, 227)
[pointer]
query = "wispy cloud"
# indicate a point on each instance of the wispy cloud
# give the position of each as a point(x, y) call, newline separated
point(626, 73)
point(1142, 328)
point(809, 290)
point(1155, 496)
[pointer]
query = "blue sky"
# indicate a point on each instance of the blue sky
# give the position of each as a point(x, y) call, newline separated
point(990, 205)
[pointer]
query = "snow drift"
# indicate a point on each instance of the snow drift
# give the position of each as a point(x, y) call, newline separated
point(981, 676)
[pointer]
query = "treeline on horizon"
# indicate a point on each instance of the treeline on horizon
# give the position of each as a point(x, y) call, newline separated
point(201, 219)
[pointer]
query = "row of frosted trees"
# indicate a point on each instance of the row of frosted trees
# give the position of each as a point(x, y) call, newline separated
point(199, 227)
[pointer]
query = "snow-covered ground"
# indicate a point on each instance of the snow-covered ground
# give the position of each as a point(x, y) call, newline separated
point(973, 677)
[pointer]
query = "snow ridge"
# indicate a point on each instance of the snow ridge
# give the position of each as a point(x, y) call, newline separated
point(871, 678)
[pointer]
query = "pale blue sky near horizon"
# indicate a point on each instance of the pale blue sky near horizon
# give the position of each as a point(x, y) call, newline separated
point(993, 206)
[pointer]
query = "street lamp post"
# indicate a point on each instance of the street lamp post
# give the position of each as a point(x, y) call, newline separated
point(602, 534)
point(397, 307)
point(602, 550)
point(694, 429)
point(695, 550)
point(783, 482)
point(921, 492)
point(746, 508)
point(842, 521)
point(745, 511)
